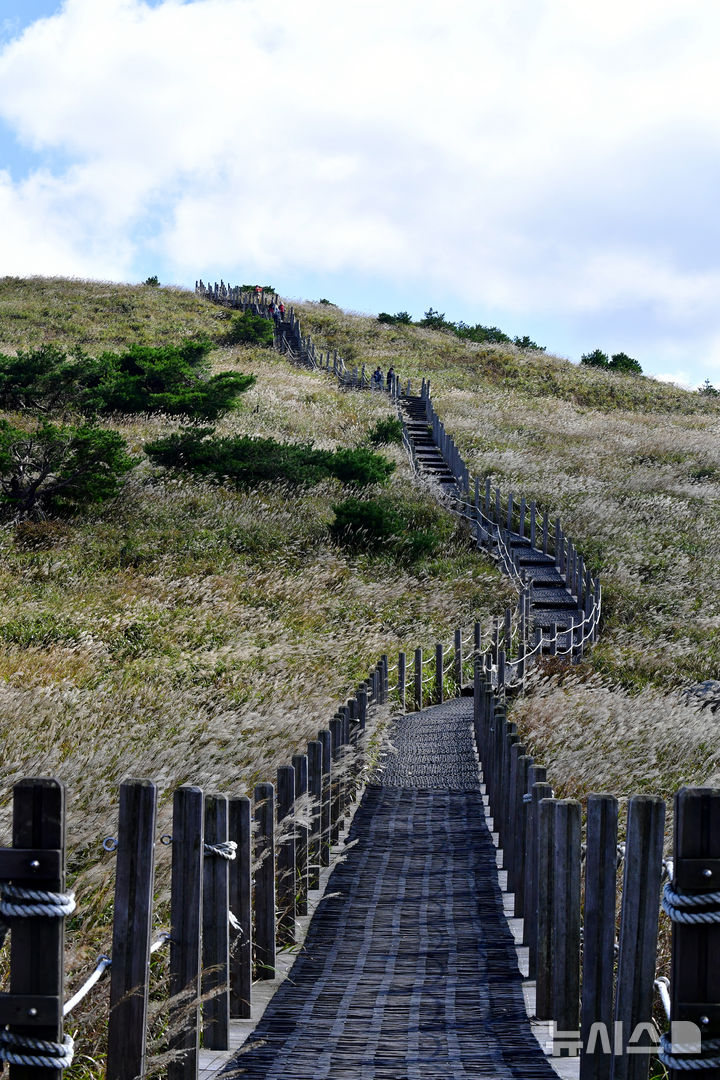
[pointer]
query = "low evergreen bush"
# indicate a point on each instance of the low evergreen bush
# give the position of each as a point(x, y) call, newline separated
point(246, 328)
point(596, 358)
point(59, 468)
point(622, 362)
point(386, 431)
point(362, 524)
point(247, 461)
point(391, 527)
point(174, 379)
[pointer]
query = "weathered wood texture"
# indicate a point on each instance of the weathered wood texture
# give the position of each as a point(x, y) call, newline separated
point(37, 962)
point(264, 892)
point(215, 928)
point(240, 830)
point(185, 922)
point(638, 930)
point(599, 933)
point(132, 924)
point(695, 977)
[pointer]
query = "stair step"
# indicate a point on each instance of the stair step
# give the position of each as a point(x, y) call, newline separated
point(545, 618)
point(532, 557)
point(555, 599)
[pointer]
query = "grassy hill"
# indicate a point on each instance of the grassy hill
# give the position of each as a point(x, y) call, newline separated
point(633, 468)
point(192, 631)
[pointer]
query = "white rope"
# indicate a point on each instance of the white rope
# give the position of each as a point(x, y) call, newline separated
point(226, 849)
point(33, 902)
point(26, 1050)
point(162, 939)
point(101, 967)
point(672, 1055)
point(677, 904)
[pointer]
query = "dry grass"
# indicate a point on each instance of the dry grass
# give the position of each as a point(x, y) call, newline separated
point(633, 468)
point(190, 632)
point(194, 632)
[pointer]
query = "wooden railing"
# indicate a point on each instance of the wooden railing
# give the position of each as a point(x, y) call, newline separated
point(242, 868)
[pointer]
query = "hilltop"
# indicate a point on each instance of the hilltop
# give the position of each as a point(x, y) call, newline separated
point(632, 466)
point(192, 631)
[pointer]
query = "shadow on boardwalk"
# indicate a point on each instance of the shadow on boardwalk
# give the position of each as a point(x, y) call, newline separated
point(408, 971)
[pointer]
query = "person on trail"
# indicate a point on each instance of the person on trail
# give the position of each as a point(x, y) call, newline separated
point(378, 378)
point(282, 310)
point(390, 377)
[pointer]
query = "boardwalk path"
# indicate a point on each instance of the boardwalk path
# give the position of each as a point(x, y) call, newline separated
point(408, 971)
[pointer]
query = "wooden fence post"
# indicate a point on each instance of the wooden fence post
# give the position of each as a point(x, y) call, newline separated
point(315, 789)
point(418, 673)
point(524, 764)
point(337, 781)
point(695, 976)
point(439, 663)
point(566, 916)
point(37, 963)
point(215, 927)
point(544, 893)
point(185, 922)
point(457, 643)
point(240, 831)
point(132, 924)
point(302, 833)
point(325, 738)
point(514, 751)
point(264, 943)
point(537, 774)
point(599, 934)
point(362, 706)
point(285, 861)
point(401, 679)
point(638, 931)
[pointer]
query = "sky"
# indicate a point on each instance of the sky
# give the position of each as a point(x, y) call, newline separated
point(551, 167)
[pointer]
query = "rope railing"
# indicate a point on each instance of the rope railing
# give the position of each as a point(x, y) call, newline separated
point(501, 657)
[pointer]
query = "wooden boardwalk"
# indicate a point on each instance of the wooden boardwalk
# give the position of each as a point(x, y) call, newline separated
point(408, 971)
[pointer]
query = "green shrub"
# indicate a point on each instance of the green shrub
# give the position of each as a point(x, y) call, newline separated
point(492, 335)
point(247, 461)
point(171, 378)
point(435, 320)
point(527, 343)
point(622, 362)
point(402, 317)
point(153, 280)
point(596, 358)
point(389, 430)
point(361, 524)
point(56, 468)
point(46, 381)
point(246, 328)
point(404, 531)
point(708, 389)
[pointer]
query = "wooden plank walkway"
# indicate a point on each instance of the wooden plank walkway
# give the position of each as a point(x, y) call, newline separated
point(408, 971)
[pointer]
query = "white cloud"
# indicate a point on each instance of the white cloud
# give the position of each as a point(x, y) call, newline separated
point(508, 147)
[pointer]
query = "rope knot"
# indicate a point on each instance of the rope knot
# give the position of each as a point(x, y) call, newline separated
point(226, 849)
point(26, 1050)
point(691, 908)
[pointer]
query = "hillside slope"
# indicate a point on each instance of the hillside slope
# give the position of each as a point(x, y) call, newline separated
point(190, 630)
point(633, 468)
